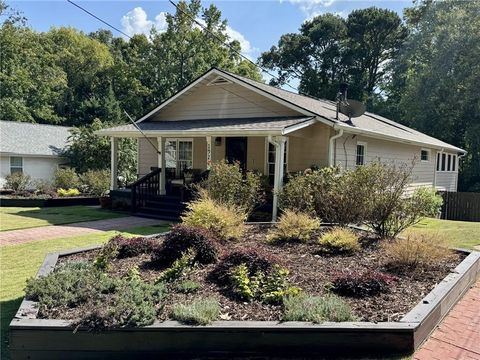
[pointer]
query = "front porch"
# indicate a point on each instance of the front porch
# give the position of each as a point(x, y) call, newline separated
point(169, 160)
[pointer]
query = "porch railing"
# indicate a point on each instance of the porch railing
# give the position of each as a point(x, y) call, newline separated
point(148, 185)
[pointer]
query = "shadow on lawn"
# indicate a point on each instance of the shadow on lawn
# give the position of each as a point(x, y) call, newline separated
point(8, 310)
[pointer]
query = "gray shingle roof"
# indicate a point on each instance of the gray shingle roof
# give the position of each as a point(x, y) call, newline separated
point(32, 139)
point(368, 122)
point(214, 125)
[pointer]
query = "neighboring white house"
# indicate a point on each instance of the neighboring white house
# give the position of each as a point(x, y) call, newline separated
point(33, 149)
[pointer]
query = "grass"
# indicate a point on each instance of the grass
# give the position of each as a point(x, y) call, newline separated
point(20, 262)
point(12, 218)
point(199, 312)
point(462, 234)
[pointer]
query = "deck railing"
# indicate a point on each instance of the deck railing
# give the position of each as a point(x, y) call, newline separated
point(148, 185)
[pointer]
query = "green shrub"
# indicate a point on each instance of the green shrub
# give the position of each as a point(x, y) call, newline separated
point(68, 192)
point(404, 212)
point(199, 312)
point(187, 286)
point(316, 309)
point(295, 226)
point(178, 268)
point(204, 243)
point(417, 250)
point(17, 182)
point(97, 182)
point(66, 179)
point(225, 220)
point(227, 185)
point(267, 287)
point(339, 240)
point(44, 187)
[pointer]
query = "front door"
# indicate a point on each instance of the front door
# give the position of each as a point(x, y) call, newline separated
point(236, 150)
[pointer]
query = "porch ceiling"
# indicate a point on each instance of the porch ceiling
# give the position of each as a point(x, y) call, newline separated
point(218, 127)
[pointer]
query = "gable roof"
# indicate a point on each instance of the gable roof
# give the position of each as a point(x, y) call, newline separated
point(368, 124)
point(20, 138)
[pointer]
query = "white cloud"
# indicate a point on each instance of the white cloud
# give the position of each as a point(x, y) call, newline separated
point(311, 8)
point(247, 48)
point(137, 22)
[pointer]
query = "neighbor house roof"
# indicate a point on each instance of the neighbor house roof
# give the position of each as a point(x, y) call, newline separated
point(322, 110)
point(20, 138)
point(245, 126)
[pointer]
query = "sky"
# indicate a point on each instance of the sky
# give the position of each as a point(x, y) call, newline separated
point(257, 25)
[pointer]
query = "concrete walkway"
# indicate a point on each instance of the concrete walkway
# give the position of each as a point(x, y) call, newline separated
point(21, 236)
point(458, 336)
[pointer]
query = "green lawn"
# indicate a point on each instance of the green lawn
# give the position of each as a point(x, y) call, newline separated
point(462, 234)
point(19, 262)
point(12, 218)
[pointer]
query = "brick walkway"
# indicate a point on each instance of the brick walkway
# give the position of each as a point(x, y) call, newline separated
point(458, 336)
point(76, 229)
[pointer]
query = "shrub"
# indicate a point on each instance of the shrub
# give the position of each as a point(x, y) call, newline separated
point(406, 211)
point(97, 182)
point(187, 286)
point(178, 268)
point(255, 259)
point(66, 179)
point(44, 187)
point(225, 220)
point(362, 284)
point(68, 192)
point(316, 309)
point(17, 182)
point(269, 287)
point(227, 185)
point(199, 312)
point(129, 247)
point(339, 240)
point(294, 226)
point(204, 243)
point(417, 250)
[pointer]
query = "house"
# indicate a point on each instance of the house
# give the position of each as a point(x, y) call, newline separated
point(222, 115)
point(32, 149)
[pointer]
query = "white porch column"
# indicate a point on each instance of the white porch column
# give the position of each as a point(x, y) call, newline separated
point(209, 152)
point(114, 163)
point(161, 163)
point(279, 143)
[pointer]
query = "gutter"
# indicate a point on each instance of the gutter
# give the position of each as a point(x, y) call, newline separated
point(331, 145)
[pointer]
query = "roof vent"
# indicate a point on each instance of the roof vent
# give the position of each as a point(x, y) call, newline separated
point(219, 81)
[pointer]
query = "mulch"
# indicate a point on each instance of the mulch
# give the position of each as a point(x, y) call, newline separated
point(310, 270)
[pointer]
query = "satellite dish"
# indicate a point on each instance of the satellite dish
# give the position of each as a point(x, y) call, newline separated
point(352, 108)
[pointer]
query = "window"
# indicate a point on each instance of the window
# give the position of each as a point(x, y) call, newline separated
point(446, 162)
point(425, 155)
point(271, 161)
point(178, 156)
point(449, 162)
point(454, 162)
point(361, 152)
point(438, 161)
point(16, 164)
point(443, 161)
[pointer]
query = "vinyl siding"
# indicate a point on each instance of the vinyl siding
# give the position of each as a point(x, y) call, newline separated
point(38, 168)
point(389, 152)
point(222, 101)
point(446, 181)
point(147, 155)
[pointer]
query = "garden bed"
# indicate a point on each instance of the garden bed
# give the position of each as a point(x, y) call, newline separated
point(397, 320)
point(9, 201)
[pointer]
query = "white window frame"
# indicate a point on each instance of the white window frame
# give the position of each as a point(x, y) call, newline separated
point(268, 163)
point(428, 155)
point(453, 162)
point(16, 166)
point(177, 151)
point(364, 144)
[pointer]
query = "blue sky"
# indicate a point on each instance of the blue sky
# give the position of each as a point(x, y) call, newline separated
point(256, 24)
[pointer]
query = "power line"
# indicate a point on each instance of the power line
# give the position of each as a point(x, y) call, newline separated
point(99, 19)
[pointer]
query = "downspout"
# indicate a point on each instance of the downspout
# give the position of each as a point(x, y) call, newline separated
point(331, 146)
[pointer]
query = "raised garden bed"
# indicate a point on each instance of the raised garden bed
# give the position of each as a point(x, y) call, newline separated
point(396, 321)
point(8, 201)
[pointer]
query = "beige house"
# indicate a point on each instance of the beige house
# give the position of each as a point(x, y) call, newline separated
point(225, 116)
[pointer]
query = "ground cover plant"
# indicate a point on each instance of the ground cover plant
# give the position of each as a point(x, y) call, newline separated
point(189, 277)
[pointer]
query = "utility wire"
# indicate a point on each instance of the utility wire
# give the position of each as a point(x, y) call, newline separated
point(141, 132)
point(99, 19)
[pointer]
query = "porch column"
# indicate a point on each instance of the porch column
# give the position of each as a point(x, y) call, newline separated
point(209, 152)
point(114, 163)
point(161, 163)
point(279, 143)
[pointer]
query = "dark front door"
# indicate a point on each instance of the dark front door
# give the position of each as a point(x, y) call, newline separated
point(236, 150)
